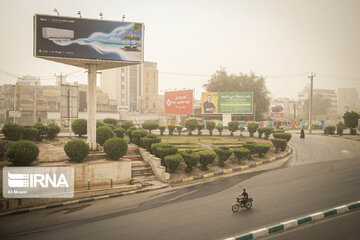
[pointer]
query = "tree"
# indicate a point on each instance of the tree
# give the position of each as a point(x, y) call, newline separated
point(233, 127)
point(127, 124)
point(199, 128)
point(210, 126)
point(320, 105)
point(130, 36)
point(351, 121)
point(171, 129)
point(191, 125)
point(220, 129)
point(221, 81)
point(179, 129)
point(150, 126)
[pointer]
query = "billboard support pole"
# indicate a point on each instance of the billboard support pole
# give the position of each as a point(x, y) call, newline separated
point(91, 123)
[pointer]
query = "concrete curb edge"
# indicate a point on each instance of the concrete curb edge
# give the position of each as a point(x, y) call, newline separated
point(294, 223)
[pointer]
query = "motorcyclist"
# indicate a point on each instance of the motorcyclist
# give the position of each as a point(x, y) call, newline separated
point(244, 196)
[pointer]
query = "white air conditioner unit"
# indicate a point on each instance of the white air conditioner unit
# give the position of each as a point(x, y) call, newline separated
point(56, 33)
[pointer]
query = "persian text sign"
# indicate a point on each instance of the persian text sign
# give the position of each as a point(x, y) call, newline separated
point(179, 102)
point(235, 102)
point(38, 182)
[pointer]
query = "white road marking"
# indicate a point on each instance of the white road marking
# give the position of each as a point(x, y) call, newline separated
point(345, 151)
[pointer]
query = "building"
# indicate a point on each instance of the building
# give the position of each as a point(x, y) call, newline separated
point(134, 88)
point(348, 100)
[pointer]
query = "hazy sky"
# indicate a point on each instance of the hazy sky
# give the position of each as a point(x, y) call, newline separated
point(284, 40)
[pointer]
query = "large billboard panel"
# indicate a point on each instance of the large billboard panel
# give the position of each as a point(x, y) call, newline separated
point(227, 102)
point(80, 38)
point(179, 102)
point(276, 109)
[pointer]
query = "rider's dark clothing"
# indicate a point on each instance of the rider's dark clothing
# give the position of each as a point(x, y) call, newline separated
point(245, 195)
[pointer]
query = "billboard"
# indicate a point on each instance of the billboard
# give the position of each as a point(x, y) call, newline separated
point(179, 102)
point(276, 109)
point(227, 102)
point(93, 39)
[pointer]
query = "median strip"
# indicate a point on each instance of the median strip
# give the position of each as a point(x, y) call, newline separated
point(290, 224)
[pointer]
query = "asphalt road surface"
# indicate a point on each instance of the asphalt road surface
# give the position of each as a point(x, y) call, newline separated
point(323, 174)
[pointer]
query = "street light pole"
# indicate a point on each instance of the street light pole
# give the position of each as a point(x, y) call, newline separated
point(311, 99)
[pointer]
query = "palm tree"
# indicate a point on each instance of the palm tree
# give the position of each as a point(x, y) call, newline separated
point(130, 36)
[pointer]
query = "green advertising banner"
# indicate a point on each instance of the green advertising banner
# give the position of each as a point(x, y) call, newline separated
point(235, 102)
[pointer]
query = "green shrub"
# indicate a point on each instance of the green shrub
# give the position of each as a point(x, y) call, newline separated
point(242, 153)
point(251, 147)
point(22, 153)
point(13, 132)
point(233, 127)
point(115, 148)
point(111, 126)
point(210, 126)
point(172, 162)
point(171, 129)
point(252, 127)
point(111, 121)
point(99, 124)
point(79, 127)
point(267, 132)
point(199, 128)
point(191, 125)
point(206, 158)
point(127, 124)
point(286, 136)
point(150, 126)
point(137, 135)
point(77, 150)
point(351, 120)
point(161, 150)
point(220, 129)
point(53, 130)
point(179, 129)
point(103, 134)
point(30, 133)
point(42, 131)
point(279, 144)
point(162, 130)
point(191, 159)
point(353, 131)
point(130, 131)
point(278, 131)
point(148, 140)
point(250, 142)
point(223, 153)
point(262, 149)
point(119, 132)
point(260, 132)
point(340, 128)
point(329, 130)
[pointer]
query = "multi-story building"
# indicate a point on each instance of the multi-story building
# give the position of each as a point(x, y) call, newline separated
point(135, 88)
point(348, 100)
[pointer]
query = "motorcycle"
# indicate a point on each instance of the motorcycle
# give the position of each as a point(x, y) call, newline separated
point(242, 203)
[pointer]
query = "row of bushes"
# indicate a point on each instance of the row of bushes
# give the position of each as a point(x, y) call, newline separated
point(37, 132)
point(340, 127)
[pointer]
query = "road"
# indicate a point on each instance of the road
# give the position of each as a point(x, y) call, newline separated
point(324, 174)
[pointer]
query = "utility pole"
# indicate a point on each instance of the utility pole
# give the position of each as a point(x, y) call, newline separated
point(14, 102)
point(311, 98)
point(69, 109)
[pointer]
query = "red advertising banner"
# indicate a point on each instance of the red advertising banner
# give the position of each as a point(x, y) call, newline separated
point(276, 109)
point(179, 102)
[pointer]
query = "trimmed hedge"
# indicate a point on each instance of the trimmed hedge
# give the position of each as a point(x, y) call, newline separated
point(252, 127)
point(171, 129)
point(267, 132)
point(30, 133)
point(130, 131)
point(150, 126)
point(172, 162)
point(137, 135)
point(286, 136)
point(79, 127)
point(220, 129)
point(162, 130)
point(251, 146)
point(223, 153)
point(191, 125)
point(179, 129)
point(279, 144)
point(233, 127)
point(199, 128)
point(115, 148)
point(329, 130)
point(206, 158)
point(99, 124)
point(241, 153)
point(103, 134)
point(260, 132)
point(111, 121)
point(13, 131)
point(210, 126)
point(191, 159)
point(127, 124)
point(340, 128)
point(42, 131)
point(148, 140)
point(53, 130)
point(262, 149)
point(161, 150)
point(119, 132)
point(22, 153)
point(278, 131)
point(113, 127)
point(77, 150)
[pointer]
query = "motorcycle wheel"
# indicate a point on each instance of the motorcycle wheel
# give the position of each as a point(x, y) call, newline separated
point(235, 207)
point(248, 205)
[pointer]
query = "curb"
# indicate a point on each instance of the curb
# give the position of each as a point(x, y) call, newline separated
point(294, 223)
point(55, 205)
point(231, 170)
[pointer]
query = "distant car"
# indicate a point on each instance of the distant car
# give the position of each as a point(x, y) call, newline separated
point(277, 109)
